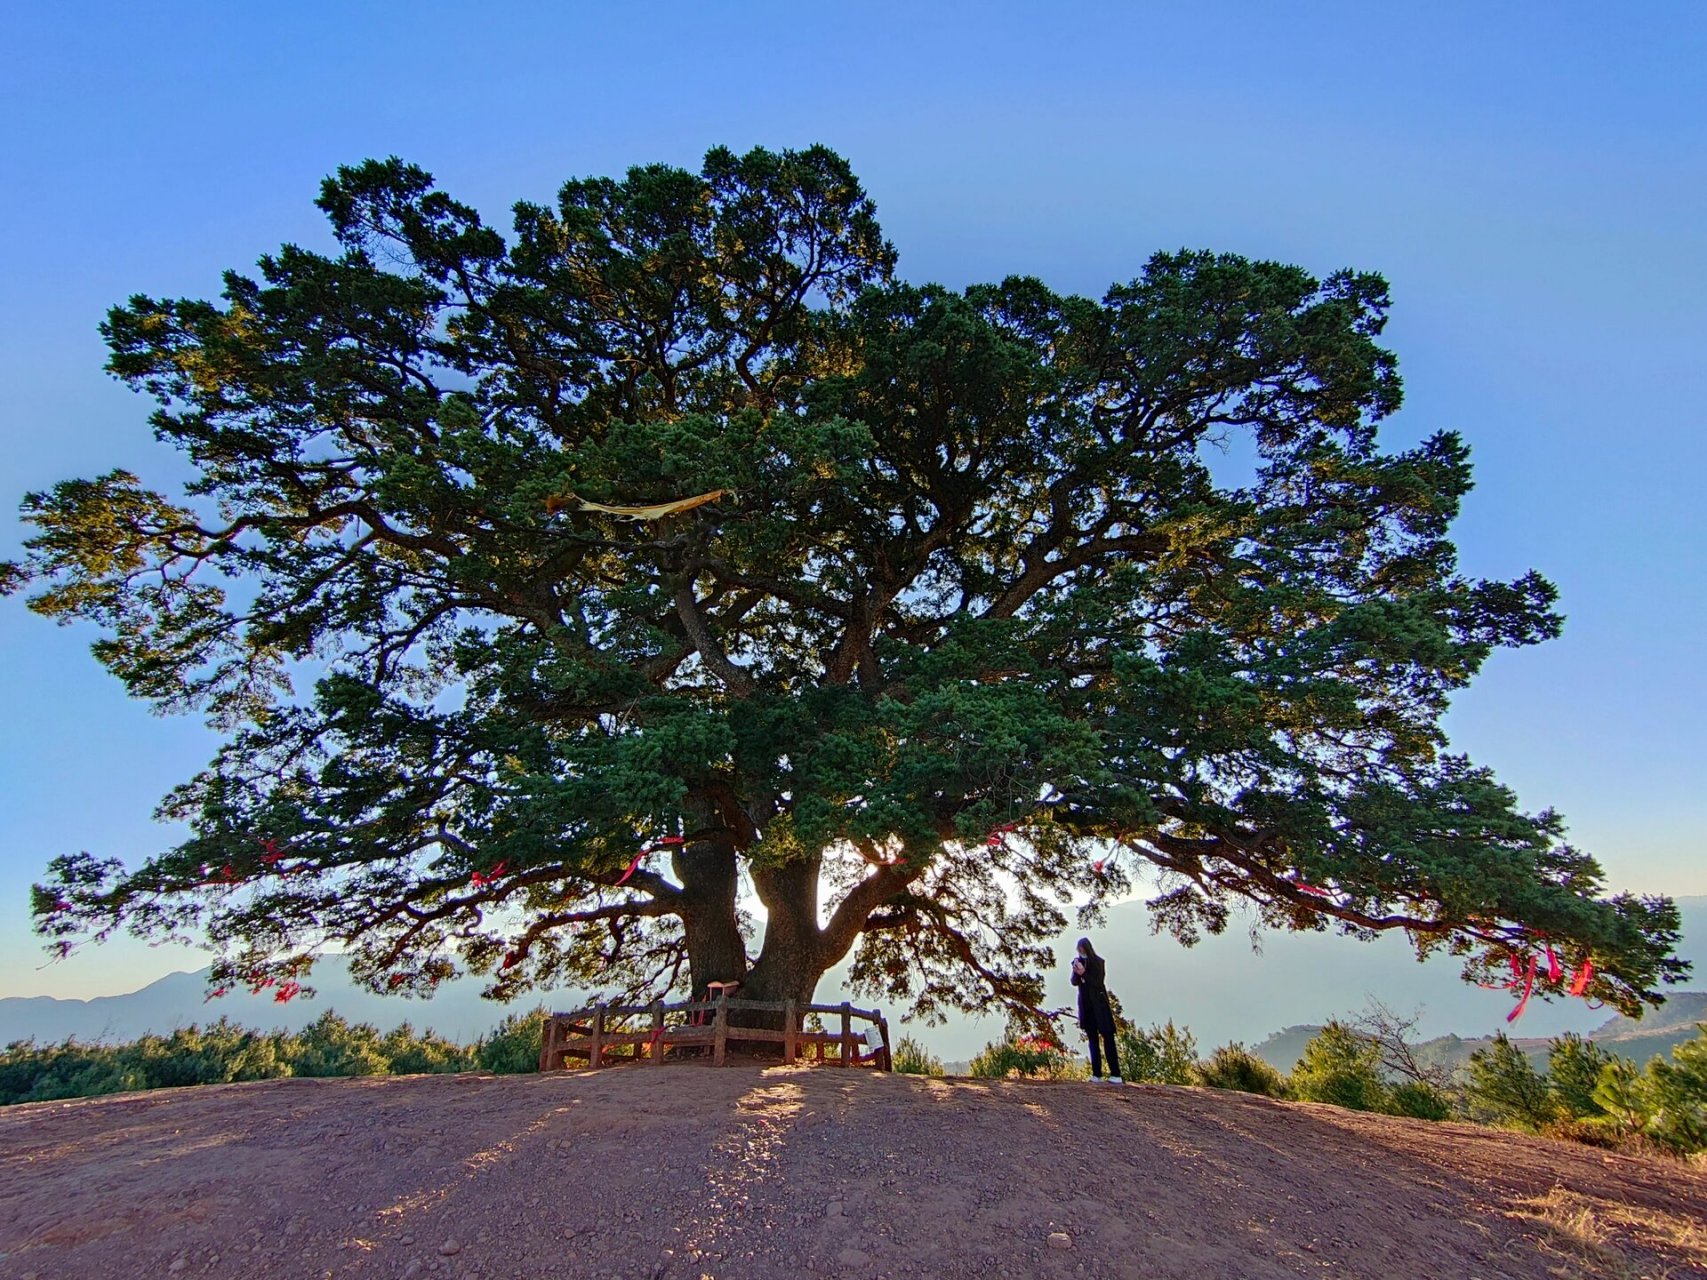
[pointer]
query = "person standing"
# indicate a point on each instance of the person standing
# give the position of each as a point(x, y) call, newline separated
point(1096, 1015)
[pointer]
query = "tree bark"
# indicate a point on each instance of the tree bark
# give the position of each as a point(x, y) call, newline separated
point(793, 957)
point(710, 925)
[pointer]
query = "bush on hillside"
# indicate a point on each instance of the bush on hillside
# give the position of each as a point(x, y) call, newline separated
point(332, 1046)
point(1032, 1057)
point(1506, 1089)
point(1233, 1066)
point(408, 1053)
point(1417, 1100)
point(1622, 1093)
point(1573, 1070)
point(513, 1047)
point(910, 1058)
point(221, 1053)
point(1339, 1066)
point(1157, 1054)
point(1677, 1093)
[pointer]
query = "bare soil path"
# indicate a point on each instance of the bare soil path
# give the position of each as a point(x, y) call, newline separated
point(748, 1173)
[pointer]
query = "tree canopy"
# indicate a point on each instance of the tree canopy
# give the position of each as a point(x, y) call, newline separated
point(1010, 601)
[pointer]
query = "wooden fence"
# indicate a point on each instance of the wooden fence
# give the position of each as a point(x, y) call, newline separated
point(601, 1034)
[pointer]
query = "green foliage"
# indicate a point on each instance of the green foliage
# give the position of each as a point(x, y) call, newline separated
point(1233, 1066)
point(1662, 1106)
point(1340, 1067)
point(1573, 1072)
point(1032, 1057)
point(409, 1053)
point(971, 569)
point(1622, 1094)
point(221, 1053)
point(1677, 1094)
point(513, 1047)
point(912, 1059)
point(331, 1046)
point(1504, 1088)
point(1418, 1100)
point(1157, 1054)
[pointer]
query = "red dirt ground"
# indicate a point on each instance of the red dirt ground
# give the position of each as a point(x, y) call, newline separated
point(748, 1173)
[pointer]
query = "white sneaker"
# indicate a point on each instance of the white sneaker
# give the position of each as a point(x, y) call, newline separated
point(1116, 1080)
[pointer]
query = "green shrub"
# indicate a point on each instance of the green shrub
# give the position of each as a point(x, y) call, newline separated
point(1506, 1089)
point(1233, 1066)
point(1677, 1091)
point(330, 1046)
point(1339, 1066)
point(408, 1053)
point(1029, 1056)
point(86, 1076)
point(513, 1048)
point(1418, 1101)
point(911, 1059)
point(223, 1051)
point(1157, 1054)
point(1573, 1070)
point(1622, 1093)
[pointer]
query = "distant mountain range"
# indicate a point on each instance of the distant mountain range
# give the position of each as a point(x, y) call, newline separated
point(456, 1011)
point(1221, 989)
point(1658, 1032)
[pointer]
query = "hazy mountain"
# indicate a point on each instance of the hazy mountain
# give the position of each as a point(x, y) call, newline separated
point(1659, 1032)
point(1220, 989)
point(456, 1010)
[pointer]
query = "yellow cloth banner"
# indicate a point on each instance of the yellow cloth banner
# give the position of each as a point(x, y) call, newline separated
point(656, 511)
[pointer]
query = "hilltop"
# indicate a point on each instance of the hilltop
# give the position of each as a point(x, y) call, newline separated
point(747, 1173)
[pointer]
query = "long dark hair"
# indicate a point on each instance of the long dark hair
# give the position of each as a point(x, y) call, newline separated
point(1087, 950)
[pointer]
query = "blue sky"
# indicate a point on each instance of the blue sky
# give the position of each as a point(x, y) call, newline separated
point(1530, 180)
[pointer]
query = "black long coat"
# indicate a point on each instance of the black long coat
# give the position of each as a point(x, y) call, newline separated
point(1095, 1013)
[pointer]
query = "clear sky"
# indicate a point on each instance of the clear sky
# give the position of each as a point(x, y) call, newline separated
point(1530, 177)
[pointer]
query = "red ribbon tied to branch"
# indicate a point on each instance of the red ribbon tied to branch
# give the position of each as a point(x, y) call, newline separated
point(1528, 986)
point(1579, 983)
point(481, 879)
point(648, 847)
point(997, 838)
point(274, 855)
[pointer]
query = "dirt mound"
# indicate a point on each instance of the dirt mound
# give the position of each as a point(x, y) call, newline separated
point(749, 1173)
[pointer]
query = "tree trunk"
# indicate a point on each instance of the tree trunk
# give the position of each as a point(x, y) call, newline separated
point(794, 956)
point(716, 950)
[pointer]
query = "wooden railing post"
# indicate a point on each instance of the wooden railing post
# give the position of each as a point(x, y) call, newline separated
point(547, 1043)
point(888, 1063)
point(595, 1044)
point(720, 1034)
point(847, 1034)
point(790, 1031)
point(657, 1033)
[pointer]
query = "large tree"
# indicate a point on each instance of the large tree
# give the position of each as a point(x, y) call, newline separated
point(1009, 600)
